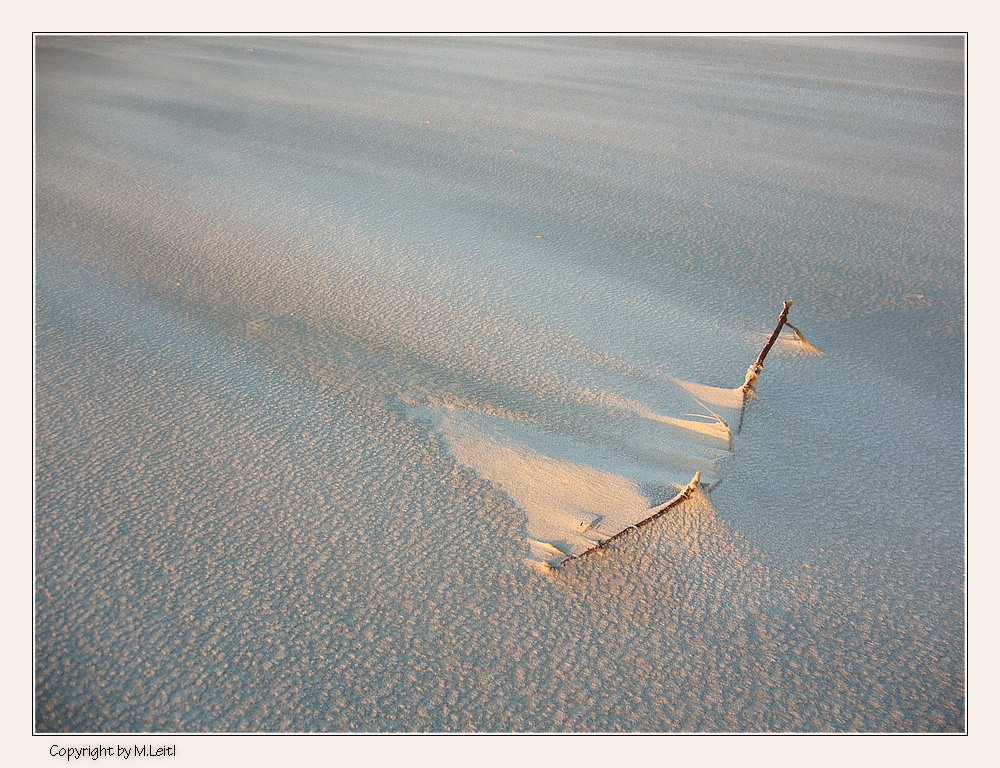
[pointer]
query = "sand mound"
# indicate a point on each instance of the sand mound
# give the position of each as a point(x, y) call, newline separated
point(577, 493)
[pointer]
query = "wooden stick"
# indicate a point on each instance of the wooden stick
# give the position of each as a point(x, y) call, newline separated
point(753, 372)
point(684, 495)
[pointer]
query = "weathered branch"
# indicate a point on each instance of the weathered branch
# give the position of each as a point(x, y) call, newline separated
point(753, 372)
point(682, 496)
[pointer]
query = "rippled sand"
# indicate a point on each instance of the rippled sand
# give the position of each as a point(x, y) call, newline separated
point(335, 336)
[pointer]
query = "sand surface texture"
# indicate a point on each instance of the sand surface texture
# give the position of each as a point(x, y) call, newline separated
point(341, 341)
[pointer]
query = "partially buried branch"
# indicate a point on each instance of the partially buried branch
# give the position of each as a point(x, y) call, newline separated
point(753, 372)
point(683, 495)
point(687, 491)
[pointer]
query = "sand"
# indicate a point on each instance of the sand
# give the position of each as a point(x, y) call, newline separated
point(338, 339)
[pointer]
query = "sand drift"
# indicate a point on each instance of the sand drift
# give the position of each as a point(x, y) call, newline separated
point(578, 497)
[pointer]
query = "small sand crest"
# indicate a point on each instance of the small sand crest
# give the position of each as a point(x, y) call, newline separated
point(717, 397)
point(722, 404)
point(791, 342)
point(709, 426)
